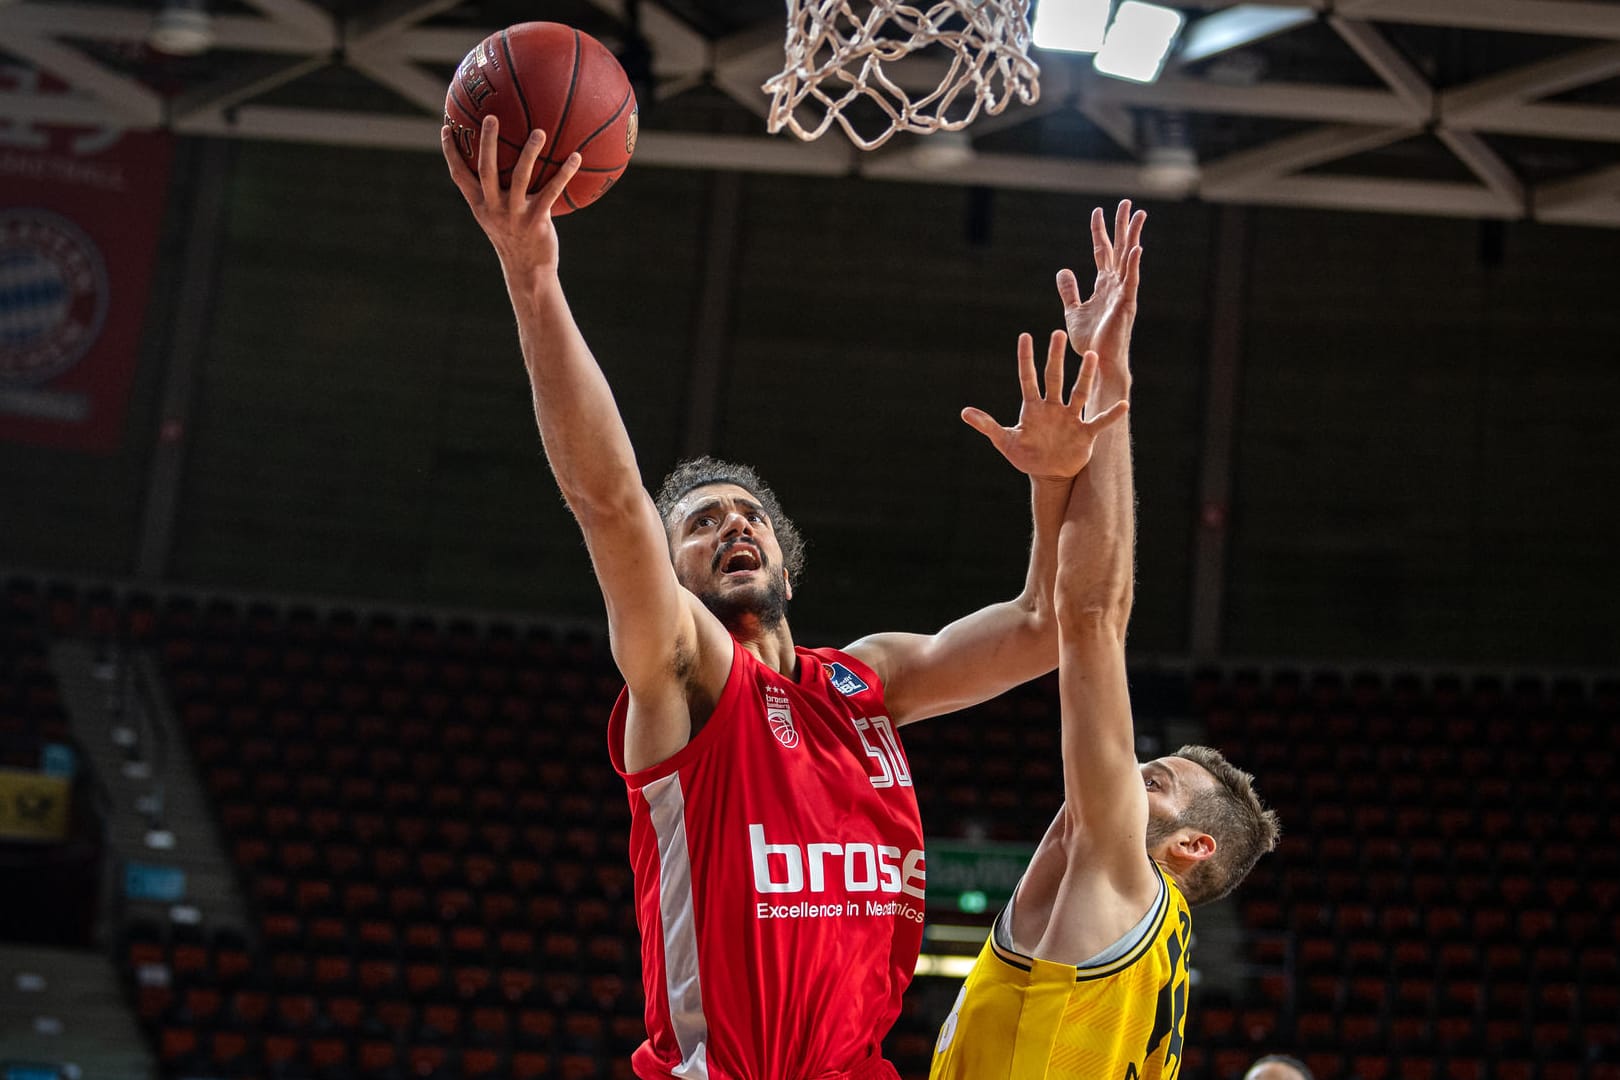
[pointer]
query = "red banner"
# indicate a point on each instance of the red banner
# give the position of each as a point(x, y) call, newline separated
point(80, 215)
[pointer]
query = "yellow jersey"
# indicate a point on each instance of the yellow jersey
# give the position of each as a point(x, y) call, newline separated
point(1122, 1017)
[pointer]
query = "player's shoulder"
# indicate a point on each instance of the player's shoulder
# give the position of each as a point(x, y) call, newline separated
point(845, 672)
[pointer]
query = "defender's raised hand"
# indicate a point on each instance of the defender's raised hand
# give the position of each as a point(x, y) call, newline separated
point(517, 223)
point(1052, 440)
point(1102, 324)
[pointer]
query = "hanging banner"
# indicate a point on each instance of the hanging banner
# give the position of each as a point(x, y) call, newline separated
point(80, 216)
point(33, 806)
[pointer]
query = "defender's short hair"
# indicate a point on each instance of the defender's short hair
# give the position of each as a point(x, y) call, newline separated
point(1232, 813)
point(702, 471)
point(1282, 1059)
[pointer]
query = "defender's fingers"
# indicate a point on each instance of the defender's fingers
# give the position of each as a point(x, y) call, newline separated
point(1133, 236)
point(1102, 248)
point(460, 172)
point(489, 169)
point(985, 424)
point(1068, 288)
point(548, 195)
point(1122, 218)
point(1085, 383)
point(1057, 346)
point(523, 171)
point(1026, 368)
point(1109, 416)
point(1133, 274)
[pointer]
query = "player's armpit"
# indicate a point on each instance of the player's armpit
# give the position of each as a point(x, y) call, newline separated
point(668, 707)
point(667, 647)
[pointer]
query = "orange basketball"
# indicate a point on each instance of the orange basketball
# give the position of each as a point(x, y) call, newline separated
point(560, 80)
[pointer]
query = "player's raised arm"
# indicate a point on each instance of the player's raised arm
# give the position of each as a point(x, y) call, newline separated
point(1104, 794)
point(999, 646)
point(651, 618)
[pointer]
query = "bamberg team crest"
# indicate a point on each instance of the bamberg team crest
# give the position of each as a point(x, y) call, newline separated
point(778, 712)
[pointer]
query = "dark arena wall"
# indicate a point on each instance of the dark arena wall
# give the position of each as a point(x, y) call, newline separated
point(1423, 436)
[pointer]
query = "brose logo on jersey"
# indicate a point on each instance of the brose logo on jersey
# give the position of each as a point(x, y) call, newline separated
point(843, 680)
point(792, 868)
point(780, 714)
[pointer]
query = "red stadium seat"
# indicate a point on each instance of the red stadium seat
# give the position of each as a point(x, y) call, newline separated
point(531, 1065)
point(1325, 1065)
point(1371, 1067)
point(1217, 1025)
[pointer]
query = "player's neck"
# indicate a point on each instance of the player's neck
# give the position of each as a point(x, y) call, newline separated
point(773, 647)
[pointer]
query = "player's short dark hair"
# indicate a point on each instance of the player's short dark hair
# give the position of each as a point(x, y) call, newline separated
point(1282, 1059)
point(1232, 813)
point(703, 471)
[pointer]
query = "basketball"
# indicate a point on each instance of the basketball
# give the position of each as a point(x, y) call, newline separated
point(560, 80)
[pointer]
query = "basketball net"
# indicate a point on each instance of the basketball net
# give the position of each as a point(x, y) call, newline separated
point(836, 57)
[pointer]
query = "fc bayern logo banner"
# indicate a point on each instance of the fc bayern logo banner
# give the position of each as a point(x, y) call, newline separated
point(53, 296)
point(80, 215)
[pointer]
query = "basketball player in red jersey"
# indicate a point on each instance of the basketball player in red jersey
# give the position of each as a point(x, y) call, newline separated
point(774, 835)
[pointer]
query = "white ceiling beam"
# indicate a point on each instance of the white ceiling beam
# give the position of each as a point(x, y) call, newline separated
point(1600, 215)
point(746, 153)
point(1020, 171)
point(1293, 101)
point(1113, 120)
point(1302, 151)
point(128, 101)
point(89, 22)
point(1596, 187)
point(104, 22)
point(1571, 18)
point(1414, 88)
point(1387, 62)
point(756, 48)
point(1581, 67)
point(1484, 162)
point(250, 33)
point(836, 158)
point(392, 18)
point(676, 47)
point(301, 16)
point(1236, 27)
point(1218, 5)
point(745, 91)
point(1016, 114)
point(439, 44)
point(386, 68)
point(673, 42)
point(240, 87)
point(677, 56)
point(325, 126)
point(1373, 195)
point(741, 63)
point(78, 110)
point(1588, 123)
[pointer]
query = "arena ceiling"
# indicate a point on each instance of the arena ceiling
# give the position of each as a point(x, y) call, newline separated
point(1506, 109)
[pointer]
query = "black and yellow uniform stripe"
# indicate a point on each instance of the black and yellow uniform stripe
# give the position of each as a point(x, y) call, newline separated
point(1020, 1018)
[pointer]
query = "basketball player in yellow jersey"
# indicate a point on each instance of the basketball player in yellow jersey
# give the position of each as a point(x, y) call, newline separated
point(1084, 975)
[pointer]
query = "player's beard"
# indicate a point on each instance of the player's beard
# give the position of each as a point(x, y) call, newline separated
point(1160, 829)
point(765, 606)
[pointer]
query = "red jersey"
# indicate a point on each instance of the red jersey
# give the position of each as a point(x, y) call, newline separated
point(779, 879)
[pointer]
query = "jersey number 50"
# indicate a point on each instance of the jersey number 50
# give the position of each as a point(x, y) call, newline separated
point(892, 770)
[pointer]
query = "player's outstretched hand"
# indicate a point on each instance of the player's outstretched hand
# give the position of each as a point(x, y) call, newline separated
point(1052, 439)
point(517, 223)
point(1102, 324)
